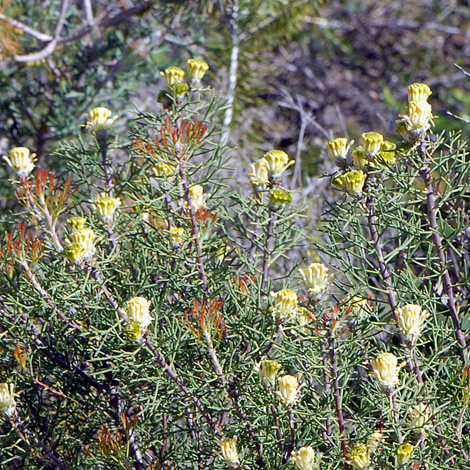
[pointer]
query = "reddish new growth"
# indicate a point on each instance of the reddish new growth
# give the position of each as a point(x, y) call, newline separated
point(175, 142)
point(23, 248)
point(205, 317)
point(243, 282)
point(108, 445)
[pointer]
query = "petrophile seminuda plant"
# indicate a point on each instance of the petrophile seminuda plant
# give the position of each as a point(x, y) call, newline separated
point(155, 316)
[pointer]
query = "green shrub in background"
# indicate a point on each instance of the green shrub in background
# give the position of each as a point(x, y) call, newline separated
point(168, 324)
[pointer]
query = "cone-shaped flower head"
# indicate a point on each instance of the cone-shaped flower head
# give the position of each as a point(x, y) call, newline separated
point(419, 117)
point(404, 453)
point(387, 152)
point(316, 278)
point(359, 457)
point(198, 198)
point(385, 367)
point(418, 92)
point(288, 389)
point(86, 238)
point(411, 319)
point(267, 370)
point(374, 440)
point(351, 182)
point(372, 143)
point(138, 312)
point(74, 252)
point(339, 148)
point(7, 399)
point(106, 206)
point(21, 160)
point(173, 75)
point(305, 458)
point(76, 223)
point(361, 162)
point(286, 303)
point(197, 69)
point(228, 446)
point(99, 119)
point(277, 162)
point(259, 174)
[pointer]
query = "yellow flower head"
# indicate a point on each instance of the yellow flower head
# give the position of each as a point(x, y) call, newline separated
point(372, 143)
point(277, 162)
point(286, 303)
point(360, 307)
point(361, 162)
point(404, 453)
point(267, 370)
point(316, 278)
point(198, 198)
point(228, 446)
point(85, 237)
point(179, 89)
point(21, 160)
point(411, 319)
point(387, 152)
point(385, 367)
point(162, 169)
point(7, 400)
point(259, 174)
point(288, 389)
point(419, 117)
point(351, 182)
point(173, 75)
point(359, 457)
point(197, 69)
point(106, 206)
point(419, 417)
point(279, 197)
point(418, 92)
point(339, 148)
point(176, 236)
point(99, 119)
point(74, 252)
point(374, 440)
point(76, 223)
point(305, 459)
point(138, 311)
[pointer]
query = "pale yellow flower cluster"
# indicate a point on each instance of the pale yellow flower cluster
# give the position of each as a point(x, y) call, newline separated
point(411, 319)
point(305, 459)
point(7, 399)
point(386, 369)
point(175, 76)
point(100, 120)
point(316, 278)
point(106, 206)
point(21, 160)
point(138, 314)
point(198, 198)
point(359, 457)
point(228, 446)
point(269, 169)
point(419, 118)
point(82, 244)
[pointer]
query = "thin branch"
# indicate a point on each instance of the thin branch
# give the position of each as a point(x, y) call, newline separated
point(26, 29)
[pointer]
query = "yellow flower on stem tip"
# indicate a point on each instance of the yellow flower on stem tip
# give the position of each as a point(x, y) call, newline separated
point(286, 303)
point(359, 457)
point(173, 75)
point(305, 459)
point(74, 252)
point(259, 175)
point(411, 319)
point(361, 162)
point(316, 278)
point(419, 418)
point(85, 237)
point(418, 92)
point(288, 389)
point(76, 223)
point(339, 148)
point(372, 143)
point(21, 160)
point(162, 169)
point(7, 400)
point(386, 369)
point(99, 119)
point(228, 446)
point(138, 313)
point(419, 117)
point(198, 198)
point(197, 69)
point(106, 206)
point(404, 453)
point(352, 182)
point(267, 370)
point(277, 162)
point(360, 307)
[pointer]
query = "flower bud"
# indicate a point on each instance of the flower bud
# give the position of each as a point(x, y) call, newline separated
point(106, 206)
point(277, 162)
point(351, 182)
point(387, 152)
point(418, 92)
point(259, 175)
point(198, 198)
point(286, 303)
point(279, 197)
point(361, 162)
point(385, 367)
point(339, 148)
point(173, 75)
point(228, 447)
point(85, 237)
point(197, 69)
point(162, 169)
point(360, 307)
point(374, 440)
point(372, 143)
point(404, 453)
point(267, 370)
point(21, 160)
point(7, 400)
point(138, 311)
point(359, 457)
point(288, 389)
point(305, 459)
point(179, 89)
point(411, 319)
point(316, 278)
point(99, 119)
